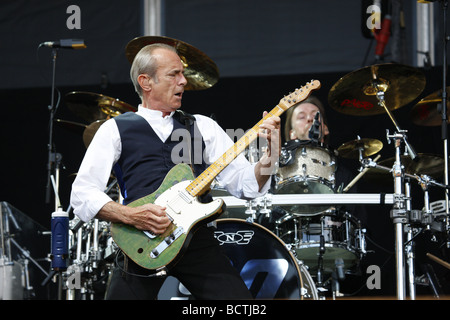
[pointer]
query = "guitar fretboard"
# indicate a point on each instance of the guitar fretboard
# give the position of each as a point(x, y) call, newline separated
point(204, 180)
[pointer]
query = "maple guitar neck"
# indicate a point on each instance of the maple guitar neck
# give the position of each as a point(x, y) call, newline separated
point(202, 183)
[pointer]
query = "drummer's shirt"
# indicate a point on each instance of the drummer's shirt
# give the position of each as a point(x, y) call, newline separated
point(88, 196)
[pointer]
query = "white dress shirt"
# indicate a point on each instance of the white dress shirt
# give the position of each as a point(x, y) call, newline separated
point(88, 196)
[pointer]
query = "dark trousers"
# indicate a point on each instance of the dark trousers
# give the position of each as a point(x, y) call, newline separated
point(203, 269)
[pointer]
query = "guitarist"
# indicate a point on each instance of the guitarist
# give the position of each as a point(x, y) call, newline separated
point(139, 147)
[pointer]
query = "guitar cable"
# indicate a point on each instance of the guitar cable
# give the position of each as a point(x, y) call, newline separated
point(160, 272)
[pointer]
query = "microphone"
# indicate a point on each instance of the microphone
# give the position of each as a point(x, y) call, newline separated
point(60, 239)
point(65, 44)
point(382, 36)
point(315, 132)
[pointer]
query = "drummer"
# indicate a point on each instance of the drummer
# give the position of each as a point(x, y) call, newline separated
point(299, 120)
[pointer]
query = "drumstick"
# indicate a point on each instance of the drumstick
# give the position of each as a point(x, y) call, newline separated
point(359, 176)
point(436, 259)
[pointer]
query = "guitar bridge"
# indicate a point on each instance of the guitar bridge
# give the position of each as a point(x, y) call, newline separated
point(166, 242)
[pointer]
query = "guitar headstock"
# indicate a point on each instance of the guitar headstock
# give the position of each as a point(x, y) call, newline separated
point(299, 94)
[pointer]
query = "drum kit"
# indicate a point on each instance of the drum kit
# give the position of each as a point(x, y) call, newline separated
point(311, 243)
point(326, 242)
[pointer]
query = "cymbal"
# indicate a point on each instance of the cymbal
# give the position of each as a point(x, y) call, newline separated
point(74, 127)
point(200, 71)
point(426, 112)
point(350, 150)
point(90, 131)
point(93, 106)
point(424, 164)
point(355, 93)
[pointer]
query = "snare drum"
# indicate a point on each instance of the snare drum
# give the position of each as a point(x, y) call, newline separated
point(343, 239)
point(310, 170)
point(267, 267)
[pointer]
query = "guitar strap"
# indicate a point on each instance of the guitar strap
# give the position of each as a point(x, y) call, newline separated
point(188, 120)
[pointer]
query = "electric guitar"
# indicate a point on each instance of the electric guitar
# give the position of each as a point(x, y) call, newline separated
point(179, 193)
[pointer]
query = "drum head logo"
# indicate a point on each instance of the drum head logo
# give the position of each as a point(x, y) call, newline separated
point(239, 237)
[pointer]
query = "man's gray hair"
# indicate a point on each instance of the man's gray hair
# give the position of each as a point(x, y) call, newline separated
point(145, 63)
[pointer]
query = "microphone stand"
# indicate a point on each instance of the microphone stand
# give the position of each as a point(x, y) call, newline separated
point(54, 159)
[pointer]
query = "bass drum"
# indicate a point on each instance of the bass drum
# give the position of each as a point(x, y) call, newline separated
point(268, 268)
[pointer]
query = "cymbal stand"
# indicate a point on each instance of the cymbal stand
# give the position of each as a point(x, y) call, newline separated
point(399, 215)
point(409, 247)
point(398, 212)
point(380, 96)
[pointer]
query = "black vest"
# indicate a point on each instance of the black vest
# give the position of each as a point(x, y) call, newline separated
point(145, 160)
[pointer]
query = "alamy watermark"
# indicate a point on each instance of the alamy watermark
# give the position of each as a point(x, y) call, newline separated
point(374, 21)
point(74, 20)
point(256, 149)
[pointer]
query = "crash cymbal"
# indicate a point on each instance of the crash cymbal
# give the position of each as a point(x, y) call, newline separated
point(355, 93)
point(93, 106)
point(426, 112)
point(350, 150)
point(200, 71)
point(424, 164)
point(90, 131)
point(71, 126)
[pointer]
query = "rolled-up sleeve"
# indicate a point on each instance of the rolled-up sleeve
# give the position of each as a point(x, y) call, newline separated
point(88, 190)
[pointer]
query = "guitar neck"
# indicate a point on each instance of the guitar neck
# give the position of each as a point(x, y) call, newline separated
point(202, 183)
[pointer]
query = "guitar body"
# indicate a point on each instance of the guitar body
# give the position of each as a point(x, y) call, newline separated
point(178, 194)
point(157, 251)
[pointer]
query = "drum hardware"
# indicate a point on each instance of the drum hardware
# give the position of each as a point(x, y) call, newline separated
point(91, 248)
point(14, 276)
point(91, 264)
point(360, 175)
point(330, 199)
point(200, 71)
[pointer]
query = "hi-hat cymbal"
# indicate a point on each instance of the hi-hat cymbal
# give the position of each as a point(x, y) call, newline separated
point(200, 71)
point(350, 150)
point(355, 93)
point(426, 112)
point(90, 131)
point(93, 106)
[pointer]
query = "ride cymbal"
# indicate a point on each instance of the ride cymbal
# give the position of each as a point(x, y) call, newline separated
point(356, 92)
point(200, 71)
point(427, 111)
point(350, 150)
point(93, 106)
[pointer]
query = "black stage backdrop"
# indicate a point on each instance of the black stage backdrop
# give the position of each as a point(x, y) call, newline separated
point(236, 103)
point(263, 53)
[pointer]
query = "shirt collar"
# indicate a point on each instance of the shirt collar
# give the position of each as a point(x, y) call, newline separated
point(154, 114)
